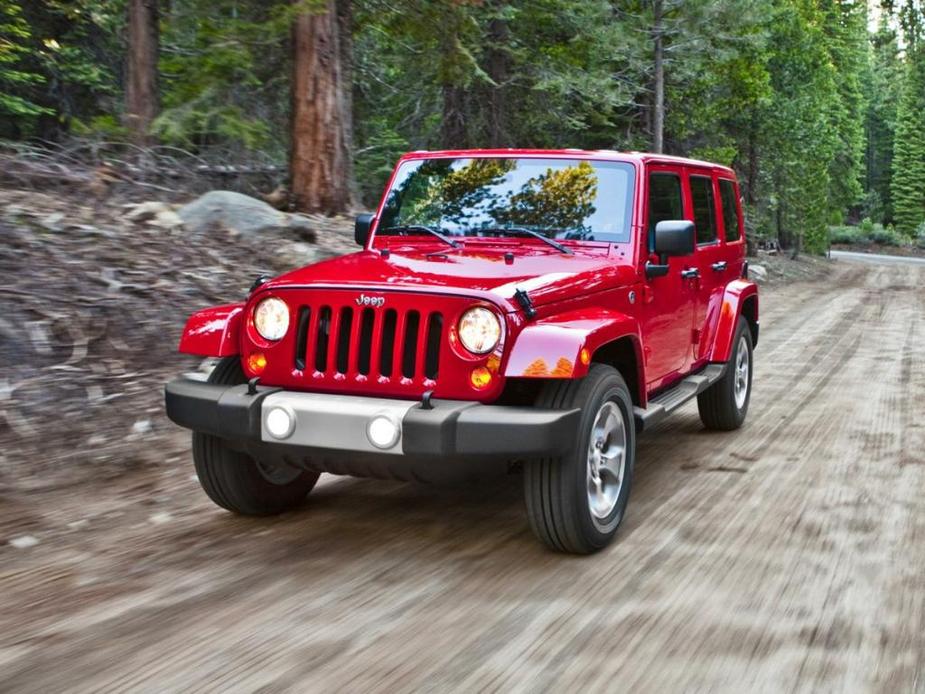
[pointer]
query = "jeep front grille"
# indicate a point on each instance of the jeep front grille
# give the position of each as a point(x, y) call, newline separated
point(375, 343)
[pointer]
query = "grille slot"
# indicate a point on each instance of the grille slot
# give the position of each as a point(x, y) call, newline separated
point(301, 339)
point(343, 339)
point(390, 344)
point(365, 350)
point(321, 341)
point(410, 343)
point(434, 335)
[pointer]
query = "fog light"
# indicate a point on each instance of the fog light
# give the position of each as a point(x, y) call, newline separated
point(280, 422)
point(383, 431)
point(256, 363)
point(480, 378)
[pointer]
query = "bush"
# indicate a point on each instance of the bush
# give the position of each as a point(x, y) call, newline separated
point(866, 226)
point(920, 236)
point(885, 236)
point(850, 236)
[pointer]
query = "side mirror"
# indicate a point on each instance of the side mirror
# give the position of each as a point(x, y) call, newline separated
point(361, 227)
point(672, 238)
point(675, 238)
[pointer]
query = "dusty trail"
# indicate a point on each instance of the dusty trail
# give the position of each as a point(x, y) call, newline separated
point(788, 555)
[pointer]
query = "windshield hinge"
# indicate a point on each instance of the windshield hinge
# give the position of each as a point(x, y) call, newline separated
point(525, 303)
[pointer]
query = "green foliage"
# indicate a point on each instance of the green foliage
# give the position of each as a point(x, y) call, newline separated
point(865, 234)
point(822, 121)
point(15, 36)
point(908, 183)
point(224, 71)
point(920, 236)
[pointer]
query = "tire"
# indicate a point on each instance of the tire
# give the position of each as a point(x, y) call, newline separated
point(567, 510)
point(723, 405)
point(237, 482)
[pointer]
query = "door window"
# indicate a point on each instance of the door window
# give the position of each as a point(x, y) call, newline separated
point(665, 201)
point(727, 196)
point(704, 208)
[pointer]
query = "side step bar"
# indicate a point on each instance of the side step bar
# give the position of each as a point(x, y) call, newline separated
point(666, 403)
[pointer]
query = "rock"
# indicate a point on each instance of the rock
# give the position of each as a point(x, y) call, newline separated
point(24, 541)
point(160, 518)
point(142, 426)
point(757, 273)
point(52, 222)
point(234, 211)
point(304, 228)
point(167, 219)
point(147, 210)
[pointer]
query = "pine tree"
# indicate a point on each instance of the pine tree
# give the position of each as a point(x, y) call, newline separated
point(883, 81)
point(908, 184)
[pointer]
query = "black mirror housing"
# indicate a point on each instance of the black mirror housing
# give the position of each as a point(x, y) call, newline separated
point(361, 227)
point(675, 238)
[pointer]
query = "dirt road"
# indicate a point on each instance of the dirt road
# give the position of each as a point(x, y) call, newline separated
point(788, 555)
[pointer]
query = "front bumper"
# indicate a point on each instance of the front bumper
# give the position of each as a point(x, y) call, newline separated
point(329, 427)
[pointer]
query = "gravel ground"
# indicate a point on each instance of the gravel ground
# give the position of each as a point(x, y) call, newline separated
point(784, 556)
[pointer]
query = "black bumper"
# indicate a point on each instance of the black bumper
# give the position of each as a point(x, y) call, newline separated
point(449, 429)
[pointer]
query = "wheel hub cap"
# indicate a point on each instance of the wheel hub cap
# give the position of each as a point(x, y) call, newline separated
point(742, 366)
point(606, 460)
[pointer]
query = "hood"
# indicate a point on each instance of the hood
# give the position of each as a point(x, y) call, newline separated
point(548, 277)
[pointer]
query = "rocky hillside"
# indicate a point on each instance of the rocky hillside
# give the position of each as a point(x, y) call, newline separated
point(94, 297)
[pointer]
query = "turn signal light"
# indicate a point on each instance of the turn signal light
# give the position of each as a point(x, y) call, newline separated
point(256, 363)
point(585, 356)
point(480, 378)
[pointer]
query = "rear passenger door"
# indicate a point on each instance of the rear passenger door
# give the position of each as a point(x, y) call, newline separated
point(709, 259)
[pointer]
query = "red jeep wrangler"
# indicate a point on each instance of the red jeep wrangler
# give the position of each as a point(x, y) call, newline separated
point(539, 307)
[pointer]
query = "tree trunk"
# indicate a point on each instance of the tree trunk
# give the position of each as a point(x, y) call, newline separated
point(658, 115)
point(319, 162)
point(453, 128)
point(498, 68)
point(141, 68)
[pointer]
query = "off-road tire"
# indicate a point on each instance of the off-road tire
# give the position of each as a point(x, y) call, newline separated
point(717, 404)
point(232, 479)
point(556, 489)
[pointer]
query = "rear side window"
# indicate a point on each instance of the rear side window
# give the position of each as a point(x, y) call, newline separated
point(665, 201)
point(704, 208)
point(727, 196)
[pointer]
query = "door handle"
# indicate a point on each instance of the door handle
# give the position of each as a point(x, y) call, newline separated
point(720, 266)
point(690, 274)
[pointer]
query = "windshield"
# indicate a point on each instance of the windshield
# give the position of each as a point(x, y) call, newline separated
point(558, 198)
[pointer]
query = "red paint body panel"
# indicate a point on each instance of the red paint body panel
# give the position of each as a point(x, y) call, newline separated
point(585, 300)
point(734, 298)
point(213, 332)
point(551, 347)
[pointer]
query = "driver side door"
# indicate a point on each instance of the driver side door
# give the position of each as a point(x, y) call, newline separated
point(668, 301)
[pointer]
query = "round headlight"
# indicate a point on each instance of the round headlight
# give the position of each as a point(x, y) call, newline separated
point(271, 318)
point(479, 330)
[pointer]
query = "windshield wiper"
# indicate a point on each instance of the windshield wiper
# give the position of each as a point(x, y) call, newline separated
point(404, 228)
point(529, 232)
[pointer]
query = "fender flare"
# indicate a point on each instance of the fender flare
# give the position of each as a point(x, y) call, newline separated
point(738, 293)
point(552, 347)
point(213, 332)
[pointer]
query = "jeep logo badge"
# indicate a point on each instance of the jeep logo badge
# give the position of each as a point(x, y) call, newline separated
point(374, 301)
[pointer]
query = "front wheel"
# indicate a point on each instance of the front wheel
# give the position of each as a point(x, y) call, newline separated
point(236, 481)
point(575, 503)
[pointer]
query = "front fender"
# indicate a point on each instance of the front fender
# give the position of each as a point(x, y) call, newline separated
point(213, 332)
point(551, 347)
point(735, 297)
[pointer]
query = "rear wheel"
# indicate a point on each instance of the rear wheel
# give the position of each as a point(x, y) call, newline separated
point(575, 503)
point(723, 405)
point(236, 481)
